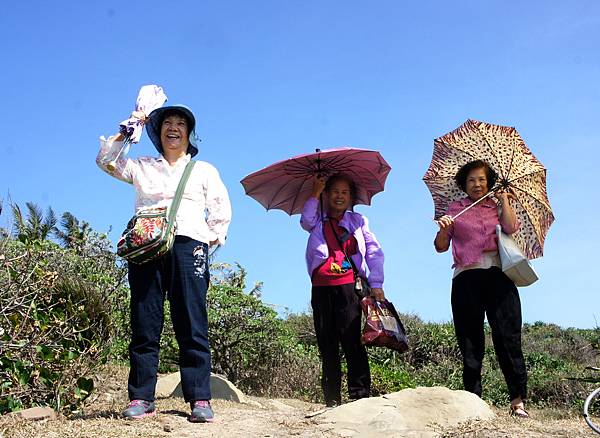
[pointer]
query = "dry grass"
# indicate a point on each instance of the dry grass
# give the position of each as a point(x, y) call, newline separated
point(233, 420)
point(101, 417)
point(543, 423)
point(263, 417)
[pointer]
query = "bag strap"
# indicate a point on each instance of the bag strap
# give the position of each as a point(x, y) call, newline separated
point(339, 241)
point(179, 192)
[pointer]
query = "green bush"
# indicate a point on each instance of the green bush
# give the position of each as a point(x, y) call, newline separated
point(250, 344)
point(58, 309)
point(551, 354)
point(386, 379)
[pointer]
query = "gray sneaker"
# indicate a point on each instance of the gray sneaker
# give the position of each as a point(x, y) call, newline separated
point(140, 409)
point(201, 412)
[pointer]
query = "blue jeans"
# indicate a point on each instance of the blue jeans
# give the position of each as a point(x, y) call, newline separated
point(181, 275)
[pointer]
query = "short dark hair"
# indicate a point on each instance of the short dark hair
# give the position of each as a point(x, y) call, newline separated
point(463, 172)
point(341, 177)
point(176, 112)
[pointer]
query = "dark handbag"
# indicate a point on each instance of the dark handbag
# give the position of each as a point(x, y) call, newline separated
point(361, 285)
point(150, 233)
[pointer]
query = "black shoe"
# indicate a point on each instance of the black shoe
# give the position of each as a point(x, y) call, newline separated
point(354, 398)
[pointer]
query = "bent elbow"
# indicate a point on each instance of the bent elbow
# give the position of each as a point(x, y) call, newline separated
point(440, 248)
point(511, 228)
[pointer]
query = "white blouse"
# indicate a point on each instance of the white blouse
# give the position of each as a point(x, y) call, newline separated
point(205, 211)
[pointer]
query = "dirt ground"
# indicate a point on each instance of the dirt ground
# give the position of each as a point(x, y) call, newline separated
point(543, 423)
point(260, 418)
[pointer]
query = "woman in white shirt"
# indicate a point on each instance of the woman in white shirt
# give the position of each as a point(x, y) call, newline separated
point(182, 274)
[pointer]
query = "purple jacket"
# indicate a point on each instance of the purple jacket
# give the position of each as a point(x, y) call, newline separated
point(369, 252)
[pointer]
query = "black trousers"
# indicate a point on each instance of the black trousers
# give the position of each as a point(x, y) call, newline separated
point(337, 313)
point(182, 275)
point(480, 292)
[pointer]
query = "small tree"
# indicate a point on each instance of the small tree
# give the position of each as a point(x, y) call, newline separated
point(36, 226)
point(245, 334)
point(72, 233)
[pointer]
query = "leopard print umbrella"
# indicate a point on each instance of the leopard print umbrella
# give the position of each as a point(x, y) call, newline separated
point(505, 151)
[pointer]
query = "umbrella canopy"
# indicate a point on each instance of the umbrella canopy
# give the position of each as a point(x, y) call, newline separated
point(149, 98)
point(288, 184)
point(505, 151)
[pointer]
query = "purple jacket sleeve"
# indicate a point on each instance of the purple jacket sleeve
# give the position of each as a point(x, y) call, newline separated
point(310, 214)
point(374, 256)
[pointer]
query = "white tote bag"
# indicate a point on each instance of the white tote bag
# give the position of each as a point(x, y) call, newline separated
point(514, 264)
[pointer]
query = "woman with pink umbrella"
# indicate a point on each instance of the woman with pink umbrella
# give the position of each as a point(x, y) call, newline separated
point(340, 248)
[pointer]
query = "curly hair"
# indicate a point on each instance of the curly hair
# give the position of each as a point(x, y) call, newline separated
point(463, 172)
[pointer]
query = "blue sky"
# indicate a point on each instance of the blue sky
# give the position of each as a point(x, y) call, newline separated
point(271, 79)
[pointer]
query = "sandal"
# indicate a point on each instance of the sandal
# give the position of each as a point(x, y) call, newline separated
point(519, 411)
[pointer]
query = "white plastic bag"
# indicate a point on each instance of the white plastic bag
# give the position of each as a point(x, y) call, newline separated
point(514, 264)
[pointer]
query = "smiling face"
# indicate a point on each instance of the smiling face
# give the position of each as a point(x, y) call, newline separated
point(339, 198)
point(174, 135)
point(476, 184)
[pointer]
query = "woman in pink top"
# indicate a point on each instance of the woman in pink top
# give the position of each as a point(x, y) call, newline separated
point(479, 287)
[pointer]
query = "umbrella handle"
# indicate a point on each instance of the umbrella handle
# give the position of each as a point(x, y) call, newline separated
point(320, 194)
point(488, 194)
point(112, 165)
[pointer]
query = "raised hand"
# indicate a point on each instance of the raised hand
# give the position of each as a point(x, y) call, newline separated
point(445, 222)
point(318, 185)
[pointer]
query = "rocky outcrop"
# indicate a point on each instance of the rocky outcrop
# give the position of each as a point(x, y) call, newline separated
point(416, 412)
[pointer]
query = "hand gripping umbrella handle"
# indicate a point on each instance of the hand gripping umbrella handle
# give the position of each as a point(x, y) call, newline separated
point(112, 165)
point(138, 117)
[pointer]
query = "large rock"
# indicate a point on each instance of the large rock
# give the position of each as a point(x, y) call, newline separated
point(416, 412)
point(166, 385)
point(220, 388)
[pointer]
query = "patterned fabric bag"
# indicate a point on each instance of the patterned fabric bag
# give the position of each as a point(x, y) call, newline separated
point(150, 233)
point(383, 327)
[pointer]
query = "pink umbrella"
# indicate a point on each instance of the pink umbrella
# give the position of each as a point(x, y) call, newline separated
point(287, 185)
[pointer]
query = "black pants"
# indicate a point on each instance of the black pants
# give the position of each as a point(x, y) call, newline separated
point(182, 275)
point(480, 292)
point(337, 313)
